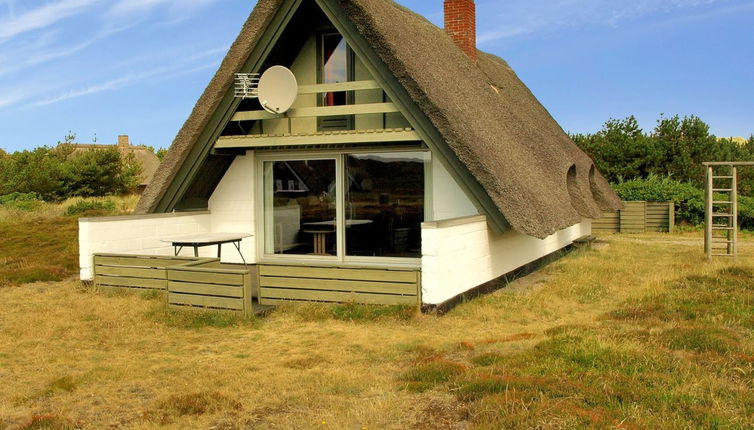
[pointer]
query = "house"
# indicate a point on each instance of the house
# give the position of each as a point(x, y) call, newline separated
point(411, 168)
point(142, 155)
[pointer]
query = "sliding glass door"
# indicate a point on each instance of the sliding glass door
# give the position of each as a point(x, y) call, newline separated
point(352, 206)
point(300, 201)
point(384, 204)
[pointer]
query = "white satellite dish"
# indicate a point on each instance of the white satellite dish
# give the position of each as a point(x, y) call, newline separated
point(278, 89)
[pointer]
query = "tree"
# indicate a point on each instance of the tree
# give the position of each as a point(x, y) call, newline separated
point(687, 143)
point(62, 172)
point(621, 150)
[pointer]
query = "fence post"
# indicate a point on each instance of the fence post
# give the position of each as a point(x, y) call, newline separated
point(708, 215)
point(734, 211)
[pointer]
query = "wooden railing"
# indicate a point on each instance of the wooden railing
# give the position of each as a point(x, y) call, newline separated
point(313, 137)
point(309, 112)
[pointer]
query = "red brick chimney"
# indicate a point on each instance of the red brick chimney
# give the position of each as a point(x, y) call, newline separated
point(460, 24)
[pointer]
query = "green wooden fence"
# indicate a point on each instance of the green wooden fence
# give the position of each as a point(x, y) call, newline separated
point(284, 283)
point(637, 217)
point(190, 282)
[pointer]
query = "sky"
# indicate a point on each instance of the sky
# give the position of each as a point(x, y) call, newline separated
point(100, 68)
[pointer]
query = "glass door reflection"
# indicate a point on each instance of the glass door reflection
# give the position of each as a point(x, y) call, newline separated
point(300, 202)
point(384, 204)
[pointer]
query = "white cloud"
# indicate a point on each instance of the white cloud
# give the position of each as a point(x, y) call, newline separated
point(520, 17)
point(104, 86)
point(11, 98)
point(42, 50)
point(44, 16)
point(130, 7)
point(164, 72)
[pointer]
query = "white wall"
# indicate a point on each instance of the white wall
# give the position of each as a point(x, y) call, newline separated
point(136, 235)
point(232, 208)
point(448, 200)
point(458, 255)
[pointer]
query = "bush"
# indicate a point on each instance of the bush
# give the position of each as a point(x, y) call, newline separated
point(20, 201)
point(62, 172)
point(90, 207)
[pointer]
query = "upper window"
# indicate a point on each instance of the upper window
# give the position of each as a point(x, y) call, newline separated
point(335, 67)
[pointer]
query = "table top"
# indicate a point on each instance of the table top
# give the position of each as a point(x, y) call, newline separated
point(331, 223)
point(206, 238)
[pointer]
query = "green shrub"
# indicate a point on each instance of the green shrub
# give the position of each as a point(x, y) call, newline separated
point(62, 172)
point(20, 201)
point(19, 197)
point(90, 207)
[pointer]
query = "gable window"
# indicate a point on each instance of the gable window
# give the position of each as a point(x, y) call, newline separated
point(335, 66)
point(345, 206)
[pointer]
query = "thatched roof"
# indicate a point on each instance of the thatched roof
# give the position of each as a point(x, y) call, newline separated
point(536, 176)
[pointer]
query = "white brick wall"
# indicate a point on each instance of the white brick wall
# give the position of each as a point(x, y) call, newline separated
point(232, 208)
point(458, 255)
point(231, 211)
point(136, 235)
point(448, 200)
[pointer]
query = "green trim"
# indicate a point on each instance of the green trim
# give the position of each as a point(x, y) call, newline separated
point(203, 146)
point(377, 137)
point(415, 116)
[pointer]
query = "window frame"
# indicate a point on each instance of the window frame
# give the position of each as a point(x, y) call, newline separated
point(340, 259)
point(350, 77)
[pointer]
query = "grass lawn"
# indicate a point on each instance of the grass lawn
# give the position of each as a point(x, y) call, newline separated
point(40, 243)
point(640, 332)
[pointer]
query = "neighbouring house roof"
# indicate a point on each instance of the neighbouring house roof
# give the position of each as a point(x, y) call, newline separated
point(537, 178)
point(145, 157)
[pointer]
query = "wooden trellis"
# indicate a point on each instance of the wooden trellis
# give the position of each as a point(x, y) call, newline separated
point(721, 208)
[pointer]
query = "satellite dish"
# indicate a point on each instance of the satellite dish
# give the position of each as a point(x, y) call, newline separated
point(277, 89)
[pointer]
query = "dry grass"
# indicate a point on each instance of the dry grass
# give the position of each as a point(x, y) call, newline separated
point(639, 334)
point(42, 245)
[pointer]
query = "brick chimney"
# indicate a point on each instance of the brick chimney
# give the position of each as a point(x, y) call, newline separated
point(123, 141)
point(460, 24)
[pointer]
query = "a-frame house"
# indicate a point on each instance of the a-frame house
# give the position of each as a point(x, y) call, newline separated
point(411, 168)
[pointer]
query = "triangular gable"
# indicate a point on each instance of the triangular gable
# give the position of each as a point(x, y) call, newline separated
point(202, 169)
point(500, 145)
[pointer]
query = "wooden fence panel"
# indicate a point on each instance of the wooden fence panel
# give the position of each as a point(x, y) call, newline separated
point(285, 283)
point(637, 217)
point(609, 223)
point(211, 287)
point(133, 271)
point(633, 217)
point(658, 216)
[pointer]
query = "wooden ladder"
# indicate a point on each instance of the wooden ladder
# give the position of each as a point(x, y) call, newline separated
point(721, 210)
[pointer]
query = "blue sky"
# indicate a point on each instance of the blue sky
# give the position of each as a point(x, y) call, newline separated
point(108, 67)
